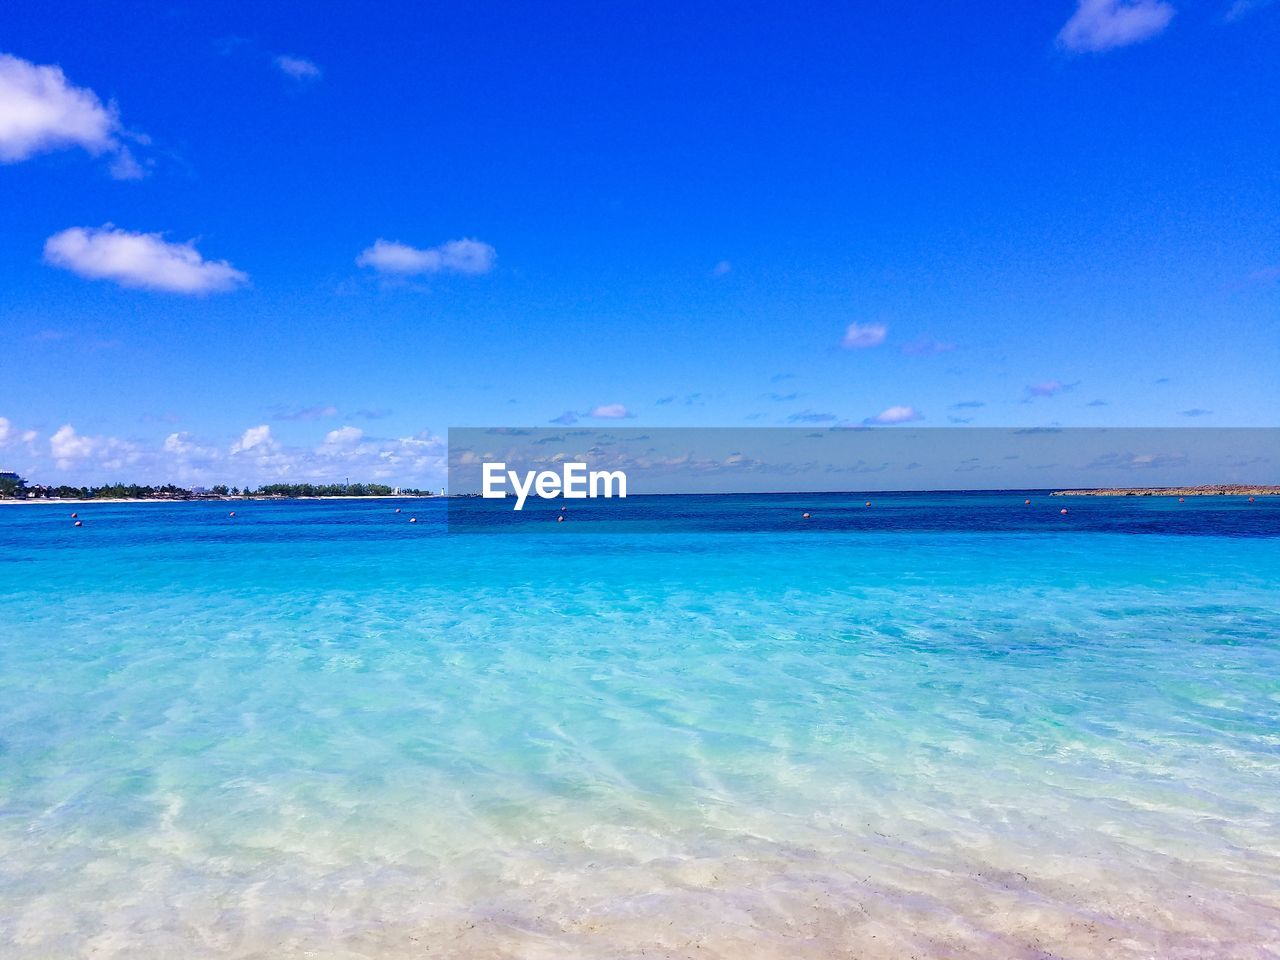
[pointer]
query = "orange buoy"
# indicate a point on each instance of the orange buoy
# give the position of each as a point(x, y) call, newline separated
point(1063, 511)
point(560, 519)
point(1251, 499)
point(1182, 499)
point(397, 509)
point(806, 516)
point(231, 514)
point(1027, 502)
point(74, 515)
point(413, 519)
point(79, 524)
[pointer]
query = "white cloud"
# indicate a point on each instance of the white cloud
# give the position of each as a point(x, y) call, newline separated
point(10, 435)
point(1048, 388)
point(40, 111)
point(454, 256)
point(1242, 8)
point(256, 457)
point(182, 445)
point(69, 448)
point(344, 436)
point(255, 438)
point(425, 440)
point(67, 445)
point(610, 411)
point(895, 415)
point(925, 346)
point(862, 335)
point(1099, 25)
point(307, 413)
point(143, 260)
point(299, 68)
point(125, 166)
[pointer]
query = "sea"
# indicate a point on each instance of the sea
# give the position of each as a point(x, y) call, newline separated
point(933, 725)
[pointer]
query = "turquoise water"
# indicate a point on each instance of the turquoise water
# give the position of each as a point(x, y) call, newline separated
point(942, 726)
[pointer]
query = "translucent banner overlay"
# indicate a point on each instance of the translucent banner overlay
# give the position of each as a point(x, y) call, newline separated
point(782, 469)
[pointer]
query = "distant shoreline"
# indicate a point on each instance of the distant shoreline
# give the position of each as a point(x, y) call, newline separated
point(227, 499)
point(1206, 490)
point(1202, 490)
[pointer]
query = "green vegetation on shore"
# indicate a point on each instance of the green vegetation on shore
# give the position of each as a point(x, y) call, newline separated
point(334, 490)
point(13, 487)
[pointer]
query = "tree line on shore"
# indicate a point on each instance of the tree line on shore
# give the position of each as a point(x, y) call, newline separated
point(14, 487)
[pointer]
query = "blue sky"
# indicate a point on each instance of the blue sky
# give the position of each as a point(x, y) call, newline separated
point(663, 214)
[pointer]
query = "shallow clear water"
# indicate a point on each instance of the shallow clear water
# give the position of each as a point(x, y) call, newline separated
point(943, 726)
